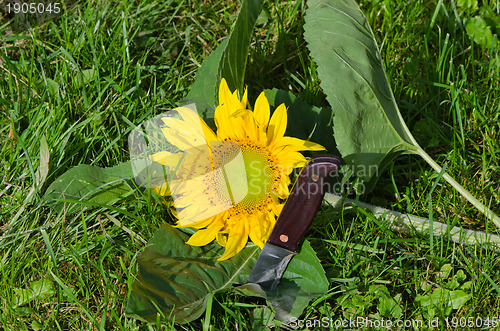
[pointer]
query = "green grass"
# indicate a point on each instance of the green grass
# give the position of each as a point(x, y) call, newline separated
point(145, 55)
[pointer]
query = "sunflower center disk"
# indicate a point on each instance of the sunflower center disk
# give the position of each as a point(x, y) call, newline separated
point(260, 179)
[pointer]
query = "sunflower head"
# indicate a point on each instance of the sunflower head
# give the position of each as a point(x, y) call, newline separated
point(230, 185)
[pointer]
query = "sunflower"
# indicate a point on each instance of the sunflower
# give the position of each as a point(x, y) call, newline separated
point(230, 185)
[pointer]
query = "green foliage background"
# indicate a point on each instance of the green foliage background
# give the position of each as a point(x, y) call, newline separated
point(85, 79)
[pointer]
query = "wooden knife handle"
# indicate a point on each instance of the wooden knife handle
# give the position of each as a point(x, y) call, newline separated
point(303, 203)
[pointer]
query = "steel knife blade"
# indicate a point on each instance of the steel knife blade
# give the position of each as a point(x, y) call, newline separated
point(295, 218)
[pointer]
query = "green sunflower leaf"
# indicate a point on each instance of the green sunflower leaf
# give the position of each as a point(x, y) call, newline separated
point(227, 61)
point(86, 185)
point(175, 280)
point(304, 279)
point(368, 127)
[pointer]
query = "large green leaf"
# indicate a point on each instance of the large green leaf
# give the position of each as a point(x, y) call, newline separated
point(89, 184)
point(227, 61)
point(176, 280)
point(368, 126)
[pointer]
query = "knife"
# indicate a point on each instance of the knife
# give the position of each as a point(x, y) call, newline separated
point(295, 218)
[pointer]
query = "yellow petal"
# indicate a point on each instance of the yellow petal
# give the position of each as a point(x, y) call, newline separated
point(190, 116)
point(243, 122)
point(209, 134)
point(262, 114)
point(294, 159)
point(229, 105)
point(221, 117)
point(227, 99)
point(244, 100)
point(205, 236)
point(238, 125)
point(237, 239)
point(188, 131)
point(271, 221)
point(222, 239)
point(197, 225)
point(283, 190)
point(277, 125)
point(257, 228)
point(295, 145)
point(162, 190)
point(262, 111)
point(166, 158)
point(190, 164)
point(224, 93)
point(181, 138)
point(191, 213)
point(277, 208)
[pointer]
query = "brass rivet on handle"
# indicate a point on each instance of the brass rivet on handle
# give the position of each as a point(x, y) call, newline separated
point(284, 238)
point(315, 177)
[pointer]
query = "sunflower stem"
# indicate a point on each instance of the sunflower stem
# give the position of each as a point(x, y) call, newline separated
point(405, 223)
